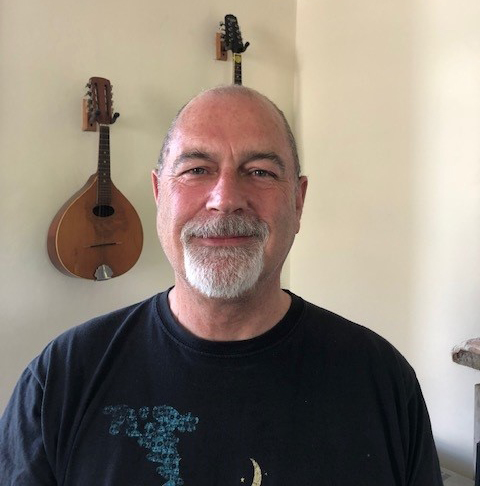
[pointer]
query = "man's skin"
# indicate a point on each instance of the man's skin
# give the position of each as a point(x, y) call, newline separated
point(218, 164)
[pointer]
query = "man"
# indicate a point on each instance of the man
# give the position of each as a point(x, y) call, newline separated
point(226, 379)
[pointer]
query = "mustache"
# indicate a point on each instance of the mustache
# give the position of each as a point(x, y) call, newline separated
point(225, 226)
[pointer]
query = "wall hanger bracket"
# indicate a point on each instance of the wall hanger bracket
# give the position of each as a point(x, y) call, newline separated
point(220, 51)
point(86, 125)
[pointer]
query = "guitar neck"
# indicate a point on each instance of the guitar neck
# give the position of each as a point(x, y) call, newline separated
point(237, 68)
point(104, 192)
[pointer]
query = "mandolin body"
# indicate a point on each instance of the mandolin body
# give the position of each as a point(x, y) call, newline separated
point(84, 236)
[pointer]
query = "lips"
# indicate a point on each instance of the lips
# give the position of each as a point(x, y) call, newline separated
point(228, 240)
point(226, 230)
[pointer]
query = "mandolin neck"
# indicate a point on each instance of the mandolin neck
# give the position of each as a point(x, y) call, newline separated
point(237, 69)
point(104, 191)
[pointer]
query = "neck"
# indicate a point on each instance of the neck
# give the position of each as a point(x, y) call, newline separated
point(104, 188)
point(237, 69)
point(228, 319)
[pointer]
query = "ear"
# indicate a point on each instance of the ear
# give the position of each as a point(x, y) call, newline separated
point(300, 194)
point(155, 184)
point(301, 191)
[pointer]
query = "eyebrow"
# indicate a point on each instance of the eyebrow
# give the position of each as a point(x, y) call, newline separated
point(193, 154)
point(275, 158)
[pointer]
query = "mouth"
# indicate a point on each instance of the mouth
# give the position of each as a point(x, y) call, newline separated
point(223, 240)
point(228, 231)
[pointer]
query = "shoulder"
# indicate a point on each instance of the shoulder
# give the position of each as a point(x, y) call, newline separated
point(107, 326)
point(86, 344)
point(327, 324)
point(352, 345)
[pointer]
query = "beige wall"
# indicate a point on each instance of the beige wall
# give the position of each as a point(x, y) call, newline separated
point(387, 103)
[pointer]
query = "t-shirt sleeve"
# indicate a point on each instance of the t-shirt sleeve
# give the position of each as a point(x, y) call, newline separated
point(23, 458)
point(423, 468)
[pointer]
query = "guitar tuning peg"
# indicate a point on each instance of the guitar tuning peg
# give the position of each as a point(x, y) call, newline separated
point(245, 46)
point(88, 85)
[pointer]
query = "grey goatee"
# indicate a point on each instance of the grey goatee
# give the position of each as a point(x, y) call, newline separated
point(224, 272)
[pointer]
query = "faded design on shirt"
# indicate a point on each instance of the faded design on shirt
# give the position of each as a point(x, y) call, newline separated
point(154, 430)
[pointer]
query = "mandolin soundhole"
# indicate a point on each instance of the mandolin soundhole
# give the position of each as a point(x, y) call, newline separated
point(103, 211)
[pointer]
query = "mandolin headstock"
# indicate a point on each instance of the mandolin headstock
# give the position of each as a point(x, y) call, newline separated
point(100, 102)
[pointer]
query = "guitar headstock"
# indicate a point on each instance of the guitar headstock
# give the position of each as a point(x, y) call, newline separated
point(232, 37)
point(100, 102)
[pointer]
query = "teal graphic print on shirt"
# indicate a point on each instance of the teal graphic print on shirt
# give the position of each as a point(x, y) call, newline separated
point(154, 430)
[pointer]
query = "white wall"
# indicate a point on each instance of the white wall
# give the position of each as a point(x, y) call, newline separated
point(157, 54)
point(446, 266)
point(388, 114)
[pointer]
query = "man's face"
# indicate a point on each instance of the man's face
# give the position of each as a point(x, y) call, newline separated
point(229, 201)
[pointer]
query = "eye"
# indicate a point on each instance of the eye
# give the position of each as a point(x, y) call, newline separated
point(262, 173)
point(196, 171)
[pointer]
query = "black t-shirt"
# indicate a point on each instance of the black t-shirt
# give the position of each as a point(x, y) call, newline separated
point(132, 398)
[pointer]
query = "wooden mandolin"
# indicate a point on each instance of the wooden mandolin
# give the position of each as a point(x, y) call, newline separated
point(97, 233)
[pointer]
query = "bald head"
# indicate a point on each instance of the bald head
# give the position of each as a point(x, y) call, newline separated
point(236, 91)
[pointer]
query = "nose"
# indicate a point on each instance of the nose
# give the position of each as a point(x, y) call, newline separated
point(228, 194)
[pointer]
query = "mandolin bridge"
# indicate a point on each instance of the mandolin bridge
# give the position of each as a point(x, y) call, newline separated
point(96, 245)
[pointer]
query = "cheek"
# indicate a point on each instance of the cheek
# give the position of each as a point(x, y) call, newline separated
point(284, 207)
point(285, 222)
point(176, 206)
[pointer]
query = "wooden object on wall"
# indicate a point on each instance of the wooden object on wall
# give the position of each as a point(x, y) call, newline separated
point(86, 125)
point(220, 51)
point(97, 233)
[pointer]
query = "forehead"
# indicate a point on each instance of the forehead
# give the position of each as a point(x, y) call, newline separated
point(238, 121)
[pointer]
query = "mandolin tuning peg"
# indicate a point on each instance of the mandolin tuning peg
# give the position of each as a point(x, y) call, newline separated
point(93, 116)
